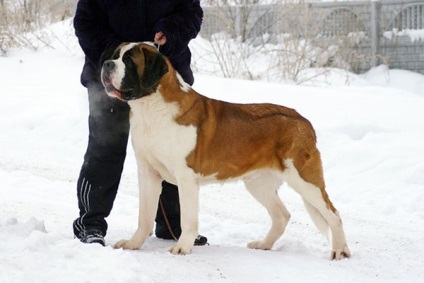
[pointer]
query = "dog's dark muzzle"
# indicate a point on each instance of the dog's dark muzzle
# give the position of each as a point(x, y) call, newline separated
point(108, 66)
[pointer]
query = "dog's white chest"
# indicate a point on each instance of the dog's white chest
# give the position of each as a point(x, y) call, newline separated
point(158, 139)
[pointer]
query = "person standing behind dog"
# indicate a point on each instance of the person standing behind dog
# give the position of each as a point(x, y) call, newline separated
point(101, 25)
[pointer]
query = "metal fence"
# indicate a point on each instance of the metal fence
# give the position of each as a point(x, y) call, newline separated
point(393, 30)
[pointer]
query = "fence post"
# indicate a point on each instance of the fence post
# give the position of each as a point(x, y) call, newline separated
point(375, 32)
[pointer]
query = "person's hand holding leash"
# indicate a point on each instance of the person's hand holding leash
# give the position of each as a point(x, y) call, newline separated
point(160, 38)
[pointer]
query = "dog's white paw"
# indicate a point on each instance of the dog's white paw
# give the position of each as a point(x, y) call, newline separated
point(259, 245)
point(179, 250)
point(338, 254)
point(127, 245)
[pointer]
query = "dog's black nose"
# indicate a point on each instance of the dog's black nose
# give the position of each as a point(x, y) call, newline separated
point(108, 66)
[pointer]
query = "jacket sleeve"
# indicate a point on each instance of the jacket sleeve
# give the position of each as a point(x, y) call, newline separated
point(180, 27)
point(93, 31)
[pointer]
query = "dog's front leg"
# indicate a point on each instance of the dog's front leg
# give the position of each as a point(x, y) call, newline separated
point(189, 202)
point(149, 183)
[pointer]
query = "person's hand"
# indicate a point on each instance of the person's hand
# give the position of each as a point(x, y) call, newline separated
point(160, 38)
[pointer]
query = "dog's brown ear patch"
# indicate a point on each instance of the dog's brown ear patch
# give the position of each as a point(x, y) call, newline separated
point(154, 68)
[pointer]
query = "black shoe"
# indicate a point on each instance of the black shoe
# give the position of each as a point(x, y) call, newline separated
point(166, 235)
point(92, 237)
point(200, 241)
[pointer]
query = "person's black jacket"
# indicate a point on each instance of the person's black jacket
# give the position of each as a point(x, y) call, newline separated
point(103, 24)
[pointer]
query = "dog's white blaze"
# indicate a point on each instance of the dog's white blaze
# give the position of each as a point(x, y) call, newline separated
point(118, 75)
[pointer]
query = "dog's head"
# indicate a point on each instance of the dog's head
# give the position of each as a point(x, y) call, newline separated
point(132, 70)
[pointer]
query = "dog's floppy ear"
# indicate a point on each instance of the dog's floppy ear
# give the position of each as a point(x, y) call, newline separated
point(154, 68)
point(106, 55)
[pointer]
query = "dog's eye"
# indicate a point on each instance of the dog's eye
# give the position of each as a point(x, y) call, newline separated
point(115, 55)
point(126, 57)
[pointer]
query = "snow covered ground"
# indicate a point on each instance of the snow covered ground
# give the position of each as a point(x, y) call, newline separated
point(370, 134)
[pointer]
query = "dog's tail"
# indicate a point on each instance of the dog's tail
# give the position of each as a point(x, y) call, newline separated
point(317, 218)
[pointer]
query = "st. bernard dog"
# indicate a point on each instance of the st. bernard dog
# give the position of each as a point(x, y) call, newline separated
point(189, 140)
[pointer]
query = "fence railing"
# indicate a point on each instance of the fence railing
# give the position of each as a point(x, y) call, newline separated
point(411, 17)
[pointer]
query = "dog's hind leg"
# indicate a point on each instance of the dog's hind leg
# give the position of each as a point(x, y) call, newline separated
point(149, 183)
point(263, 188)
point(306, 178)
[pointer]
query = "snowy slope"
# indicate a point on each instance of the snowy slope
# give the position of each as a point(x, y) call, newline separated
point(370, 135)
